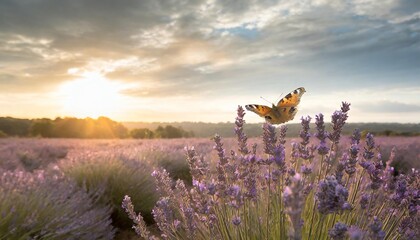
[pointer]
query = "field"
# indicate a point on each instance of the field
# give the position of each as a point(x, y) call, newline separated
point(73, 189)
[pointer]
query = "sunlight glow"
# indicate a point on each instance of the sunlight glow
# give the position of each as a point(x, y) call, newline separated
point(91, 96)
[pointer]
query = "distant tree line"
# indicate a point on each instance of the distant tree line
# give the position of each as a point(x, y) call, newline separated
point(168, 131)
point(226, 129)
point(70, 127)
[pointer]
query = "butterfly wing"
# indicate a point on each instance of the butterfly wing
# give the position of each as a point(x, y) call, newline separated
point(292, 99)
point(287, 114)
point(261, 110)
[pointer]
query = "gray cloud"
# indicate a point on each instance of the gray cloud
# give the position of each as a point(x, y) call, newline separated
point(389, 107)
point(186, 46)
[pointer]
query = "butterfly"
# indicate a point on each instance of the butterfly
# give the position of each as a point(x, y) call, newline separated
point(284, 111)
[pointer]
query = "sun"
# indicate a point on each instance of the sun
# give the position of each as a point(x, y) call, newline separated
point(90, 96)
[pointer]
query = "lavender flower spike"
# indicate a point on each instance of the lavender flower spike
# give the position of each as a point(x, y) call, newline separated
point(331, 196)
point(338, 232)
point(140, 226)
point(338, 119)
point(242, 138)
point(304, 150)
point(376, 232)
point(321, 134)
point(269, 138)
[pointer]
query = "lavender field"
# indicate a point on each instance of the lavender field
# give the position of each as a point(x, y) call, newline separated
point(319, 186)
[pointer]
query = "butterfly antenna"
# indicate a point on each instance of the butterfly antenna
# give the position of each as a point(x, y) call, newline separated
point(279, 97)
point(266, 100)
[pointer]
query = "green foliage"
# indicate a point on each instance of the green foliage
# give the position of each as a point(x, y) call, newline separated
point(48, 206)
point(15, 126)
point(68, 127)
point(141, 133)
point(172, 161)
point(170, 131)
point(117, 177)
point(2, 134)
point(78, 128)
point(42, 127)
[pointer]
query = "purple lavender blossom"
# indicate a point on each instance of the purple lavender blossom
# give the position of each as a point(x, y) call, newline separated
point(282, 135)
point(305, 152)
point(345, 107)
point(269, 138)
point(356, 136)
point(364, 200)
point(338, 119)
point(279, 156)
point(236, 198)
point(239, 131)
point(401, 192)
point(198, 167)
point(294, 155)
point(306, 169)
point(223, 168)
point(321, 134)
point(331, 196)
point(370, 146)
point(376, 232)
point(140, 226)
point(356, 233)
point(190, 222)
point(164, 217)
point(294, 201)
point(236, 220)
point(354, 152)
point(338, 232)
point(339, 172)
point(223, 159)
point(164, 182)
point(375, 173)
point(250, 180)
point(212, 187)
point(408, 228)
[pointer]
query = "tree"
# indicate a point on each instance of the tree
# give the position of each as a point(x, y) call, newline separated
point(42, 127)
point(142, 133)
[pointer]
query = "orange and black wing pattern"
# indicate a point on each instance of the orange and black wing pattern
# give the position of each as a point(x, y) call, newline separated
point(261, 110)
point(292, 99)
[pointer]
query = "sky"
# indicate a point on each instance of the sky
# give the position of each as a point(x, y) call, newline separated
point(159, 60)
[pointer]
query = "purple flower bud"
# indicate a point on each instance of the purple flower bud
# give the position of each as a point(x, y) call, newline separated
point(376, 232)
point(269, 138)
point(304, 133)
point(356, 233)
point(234, 190)
point(355, 137)
point(331, 196)
point(242, 138)
point(306, 169)
point(279, 156)
point(236, 220)
point(211, 187)
point(364, 201)
point(345, 107)
point(338, 232)
point(323, 148)
point(282, 135)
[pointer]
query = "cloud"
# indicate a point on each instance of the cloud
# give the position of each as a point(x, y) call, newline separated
point(389, 107)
